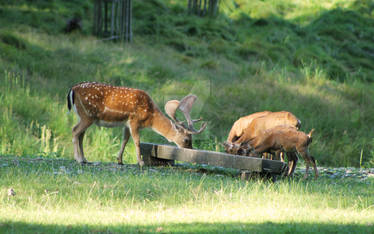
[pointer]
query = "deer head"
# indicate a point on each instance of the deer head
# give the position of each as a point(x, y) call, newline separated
point(184, 138)
point(243, 148)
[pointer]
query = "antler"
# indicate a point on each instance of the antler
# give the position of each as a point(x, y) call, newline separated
point(170, 109)
point(185, 105)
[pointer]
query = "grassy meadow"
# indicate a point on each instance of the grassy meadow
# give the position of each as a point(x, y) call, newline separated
point(185, 199)
point(313, 58)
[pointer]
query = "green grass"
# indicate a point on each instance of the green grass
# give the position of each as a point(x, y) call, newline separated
point(183, 199)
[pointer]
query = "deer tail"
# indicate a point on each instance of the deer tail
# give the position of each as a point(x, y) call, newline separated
point(310, 136)
point(70, 99)
point(310, 133)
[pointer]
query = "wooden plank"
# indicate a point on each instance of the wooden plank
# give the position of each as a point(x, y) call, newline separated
point(211, 158)
point(147, 150)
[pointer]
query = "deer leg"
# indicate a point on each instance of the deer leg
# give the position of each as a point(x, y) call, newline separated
point(267, 156)
point(126, 136)
point(292, 161)
point(281, 156)
point(308, 160)
point(80, 140)
point(306, 169)
point(78, 134)
point(135, 136)
point(295, 159)
point(314, 166)
point(277, 155)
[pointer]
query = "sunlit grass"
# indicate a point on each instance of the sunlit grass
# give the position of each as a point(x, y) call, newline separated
point(107, 197)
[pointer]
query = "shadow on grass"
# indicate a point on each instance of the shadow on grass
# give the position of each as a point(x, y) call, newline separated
point(230, 227)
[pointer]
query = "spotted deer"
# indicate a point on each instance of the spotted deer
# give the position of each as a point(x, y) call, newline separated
point(112, 106)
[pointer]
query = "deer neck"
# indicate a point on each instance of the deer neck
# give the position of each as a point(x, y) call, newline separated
point(164, 126)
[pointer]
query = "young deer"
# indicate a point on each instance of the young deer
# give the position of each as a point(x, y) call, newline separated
point(250, 126)
point(287, 139)
point(112, 106)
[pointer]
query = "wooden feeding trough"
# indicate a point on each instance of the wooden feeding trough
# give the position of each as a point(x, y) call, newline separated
point(154, 154)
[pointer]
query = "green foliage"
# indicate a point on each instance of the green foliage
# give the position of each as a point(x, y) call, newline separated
point(312, 58)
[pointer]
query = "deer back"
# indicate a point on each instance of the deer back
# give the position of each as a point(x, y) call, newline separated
point(242, 123)
point(259, 125)
point(106, 103)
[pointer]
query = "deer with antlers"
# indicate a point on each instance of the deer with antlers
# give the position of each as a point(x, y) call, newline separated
point(112, 106)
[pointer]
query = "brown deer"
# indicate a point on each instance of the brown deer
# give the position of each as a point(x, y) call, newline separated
point(259, 125)
point(287, 139)
point(241, 124)
point(112, 106)
point(253, 125)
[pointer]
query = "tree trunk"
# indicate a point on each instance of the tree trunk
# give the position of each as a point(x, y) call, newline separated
point(203, 7)
point(189, 6)
point(113, 21)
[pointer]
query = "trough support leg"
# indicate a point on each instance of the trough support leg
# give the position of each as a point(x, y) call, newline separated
point(245, 175)
point(148, 151)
